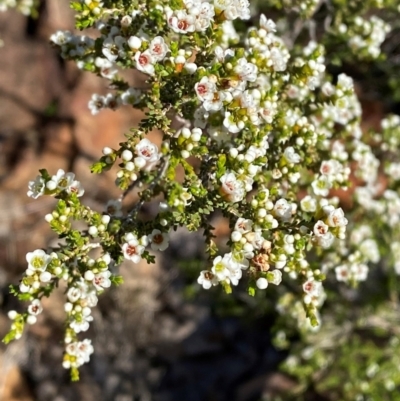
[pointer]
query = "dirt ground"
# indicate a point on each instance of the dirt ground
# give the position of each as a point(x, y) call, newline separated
point(150, 342)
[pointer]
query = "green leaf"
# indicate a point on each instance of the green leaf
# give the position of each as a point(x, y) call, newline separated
point(117, 280)
point(10, 336)
point(99, 167)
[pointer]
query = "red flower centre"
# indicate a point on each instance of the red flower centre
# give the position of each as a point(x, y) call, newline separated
point(131, 250)
point(158, 239)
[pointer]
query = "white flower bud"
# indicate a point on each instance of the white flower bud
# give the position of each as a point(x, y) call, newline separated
point(107, 151)
point(126, 20)
point(191, 68)
point(31, 319)
point(262, 283)
point(51, 185)
point(89, 275)
point(140, 162)
point(261, 213)
point(233, 152)
point(185, 154)
point(57, 271)
point(186, 133)
point(105, 219)
point(127, 155)
point(68, 307)
point(49, 217)
point(134, 42)
point(236, 236)
point(93, 231)
point(35, 286)
point(144, 240)
point(45, 277)
point(252, 169)
point(129, 166)
point(180, 60)
point(12, 314)
point(196, 134)
point(248, 247)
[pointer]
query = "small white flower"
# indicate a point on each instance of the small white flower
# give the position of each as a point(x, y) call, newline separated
point(205, 89)
point(114, 208)
point(74, 294)
point(145, 62)
point(96, 104)
point(308, 204)
point(326, 240)
point(215, 103)
point(359, 271)
point(321, 186)
point(35, 308)
point(312, 287)
point(61, 180)
point(132, 250)
point(107, 68)
point(131, 96)
point(207, 279)
point(282, 209)
point(336, 218)
point(181, 22)
point(102, 280)
point(114, 48)
point(232, 189)
point(219, 269)
point(246, 71)
point(159, 241)
point(243, 226)
point(38, 260)
point(158, 49)
point(147, 151)
point(36, 188)
point(275, 277)
point(267, 24)
point(342, 273)
point(320, 228)
point(232, 124)
point(330, 167)
point(76, 188)
point(61, 38)
point(291, 156)
point(81, 325)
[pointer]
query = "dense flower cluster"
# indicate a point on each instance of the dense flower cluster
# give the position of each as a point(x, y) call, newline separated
point(274, 136)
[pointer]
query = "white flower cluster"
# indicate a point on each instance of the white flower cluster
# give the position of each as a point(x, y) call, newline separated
point(77, 353)
point(133, 247)
point(37, 273)
point(197, 16)
point(144, 155)
point(61, 181)
point(367, 36)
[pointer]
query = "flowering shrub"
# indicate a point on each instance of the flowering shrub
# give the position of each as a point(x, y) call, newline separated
point(264, 134)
